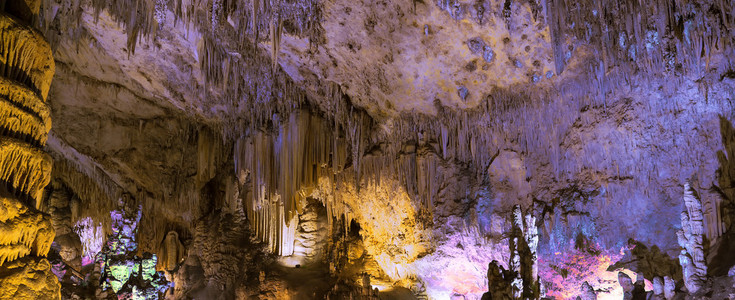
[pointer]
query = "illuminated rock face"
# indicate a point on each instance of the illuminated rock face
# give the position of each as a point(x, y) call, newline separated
point(691, 238)
point(171, 252)
point(26, 69)
point(425, 122)
point(125, 274)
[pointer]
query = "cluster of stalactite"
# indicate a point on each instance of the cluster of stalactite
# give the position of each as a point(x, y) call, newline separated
point(26, 69)
point(282, 152)
point(417, 144)
point(231, 62)
point(282, 166)
point(656, 36)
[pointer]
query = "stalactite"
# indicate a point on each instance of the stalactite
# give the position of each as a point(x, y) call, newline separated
point(94, 188)
point(282, 167)
point(207, 156)
point(276, 32)
point(24, 167)
point(648, 35)
point(160, 14)
point(139, 20)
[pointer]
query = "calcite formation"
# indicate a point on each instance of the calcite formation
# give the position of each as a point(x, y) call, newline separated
point(26, 69)
point(524, 260)
point(29, 278)
point(521, 280)
point(126, 274)
point(691, 239)
point(588, 293)
point(432, 137)
point(171, 252)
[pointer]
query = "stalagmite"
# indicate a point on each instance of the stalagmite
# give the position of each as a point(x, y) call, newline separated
point(171, 253)
point(669, 288)
point(516, 249)
point(499, 282)
point(691, 238)
point(588, 293)
point(26, 70)
point(66, 241)
point(524, 259)
point(531, 236)
point(627, 284)
point(128, 275)
point(658, 288)
point(291, 147)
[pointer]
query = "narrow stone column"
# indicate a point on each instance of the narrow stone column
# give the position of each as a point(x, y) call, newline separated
point(691, 238)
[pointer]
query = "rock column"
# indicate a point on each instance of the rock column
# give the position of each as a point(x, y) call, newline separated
point(691, 238)
point(26, 70)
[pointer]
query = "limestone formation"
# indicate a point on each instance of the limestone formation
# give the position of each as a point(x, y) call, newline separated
point(26, 70)
point(387, 115)
point(521, 280)
point(658, 288)
point(588, 293)
point(344, 290)
point(171, 252)
point(499, 282)
point(29, 278)
point(524, 260)
point(639, 291)
point(66, 242)
point(669, 288)
point(124, 273)
point(691, 239)
point(627, 284)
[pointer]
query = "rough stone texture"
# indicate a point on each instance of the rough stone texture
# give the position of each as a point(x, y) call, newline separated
point(311, 235)
point(658, 288)
point(28, 278)
point(27, 68)
point(669, 288)
point(588, 293)
point(499, 282)
point(171, 252)
point(691, 238)
point(627, 284)
point(440, 117)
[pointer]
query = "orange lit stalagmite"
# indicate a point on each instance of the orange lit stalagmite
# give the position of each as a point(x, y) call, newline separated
point(26, 69)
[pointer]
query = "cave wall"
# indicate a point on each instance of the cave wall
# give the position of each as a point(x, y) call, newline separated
point(425, 122)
